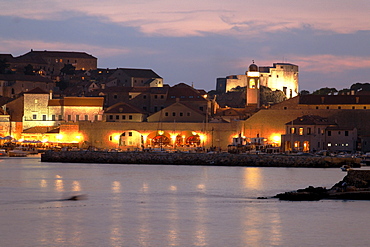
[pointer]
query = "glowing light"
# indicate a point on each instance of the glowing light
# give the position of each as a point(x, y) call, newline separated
point(116, 137)
point(59, 136)
point(78, 137)
point(160, 132)
point(194, 133)
point(275, 138)
point(44, 140)
point(173, 137)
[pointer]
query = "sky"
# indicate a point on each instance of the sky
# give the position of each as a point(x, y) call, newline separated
point(197, 41)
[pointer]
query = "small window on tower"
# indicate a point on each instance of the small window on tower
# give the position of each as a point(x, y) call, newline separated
point(252, 83)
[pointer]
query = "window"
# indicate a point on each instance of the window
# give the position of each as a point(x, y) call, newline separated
point(329, 144)
point(300, 131)
point(329, 133)
point(174, 114)
point(188, 114)
point(317, 107)
point(155, 108)
point(77, 117)
point(117, 117)
point(353, 107)
point(130, 117)
point(292, 130)
point(86, 117)
point(36, 101)
point(201, 108)
point(308, 131)
point(60, 117)
point(115, 96)
point(285, 108)
point(123, 117)
point(110, 138)
point(111, 117)
point(43, 117)
point(155, 96)
point(172, 97)
point(252, 83)
point(181, 114)
point(162, 96)
point(339, 107)
point(144, 108)
point(124, 134)
point(166, 114)
point(129, 133)
point(34, 116)
point(144, 96)
point(346, 133)
point(53, 117)
point(69, 118)
point(364, 107)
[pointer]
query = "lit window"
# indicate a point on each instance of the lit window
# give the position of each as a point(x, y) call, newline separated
point(329, 144)
point(252, 83)
point(300, 131)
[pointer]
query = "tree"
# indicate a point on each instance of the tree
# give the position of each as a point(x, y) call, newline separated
point(68, 69)
point(267, 96)
point(305, 92)
point(360, 87)
point(4, 66)
point(28, 70)
point(325, 91)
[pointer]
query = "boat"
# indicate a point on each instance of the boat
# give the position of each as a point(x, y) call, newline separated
point(345, 168)
point(3, 153)
point(17, 152)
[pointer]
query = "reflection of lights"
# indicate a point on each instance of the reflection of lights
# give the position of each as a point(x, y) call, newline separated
point(145, 187)
point(76, 186)
point(173, 188)
point(201, 186)
point(43, 183)
point(59, 183)
point(252, 178)
point(116, 187)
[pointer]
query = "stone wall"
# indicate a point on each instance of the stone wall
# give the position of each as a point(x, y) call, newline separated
point(203, 159)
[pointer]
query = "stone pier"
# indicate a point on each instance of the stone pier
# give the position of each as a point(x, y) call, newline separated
point(203, 159)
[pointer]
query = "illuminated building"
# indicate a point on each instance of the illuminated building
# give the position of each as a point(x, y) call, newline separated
point(280, 76)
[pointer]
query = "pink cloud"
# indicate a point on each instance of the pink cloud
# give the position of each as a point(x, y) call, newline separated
point(183, 18)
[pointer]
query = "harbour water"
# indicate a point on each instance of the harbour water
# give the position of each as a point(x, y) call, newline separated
point(154, 205)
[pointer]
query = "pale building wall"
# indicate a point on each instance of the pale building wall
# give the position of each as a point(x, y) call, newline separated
point(107, 135)
point(283, 77)
point(79, 113)
point(241, 81)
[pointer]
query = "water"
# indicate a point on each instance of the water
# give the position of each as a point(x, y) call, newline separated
point(153, 205)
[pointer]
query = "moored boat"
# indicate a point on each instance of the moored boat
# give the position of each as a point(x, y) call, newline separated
point(17, 153)
point(3, 153)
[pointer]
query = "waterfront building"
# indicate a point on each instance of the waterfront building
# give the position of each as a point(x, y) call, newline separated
point(311, 133)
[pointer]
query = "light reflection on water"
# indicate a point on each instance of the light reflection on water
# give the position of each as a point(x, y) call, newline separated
point(132, 205)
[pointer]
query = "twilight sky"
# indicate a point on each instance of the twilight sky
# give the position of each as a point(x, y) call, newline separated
point(197, 41)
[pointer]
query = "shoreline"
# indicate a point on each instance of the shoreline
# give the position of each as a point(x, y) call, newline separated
point(197, 159)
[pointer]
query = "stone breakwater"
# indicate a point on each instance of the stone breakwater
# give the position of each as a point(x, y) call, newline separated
point(202, 159)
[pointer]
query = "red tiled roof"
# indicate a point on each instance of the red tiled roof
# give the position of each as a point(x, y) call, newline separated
point(334, 99)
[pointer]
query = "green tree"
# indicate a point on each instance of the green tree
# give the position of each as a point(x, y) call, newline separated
point(4, 66)
point(267, 96)
point(325, 91)
point(68, 69)
point(28, 70)
point(360, 87)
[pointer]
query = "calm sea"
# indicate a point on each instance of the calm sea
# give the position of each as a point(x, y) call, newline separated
point(154, 205)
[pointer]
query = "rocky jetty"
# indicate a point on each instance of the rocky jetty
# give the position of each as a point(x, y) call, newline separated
point(354, 186)
point(203, 159)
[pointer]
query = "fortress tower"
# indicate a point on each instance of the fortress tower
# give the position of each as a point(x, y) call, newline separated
point(253, 85)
